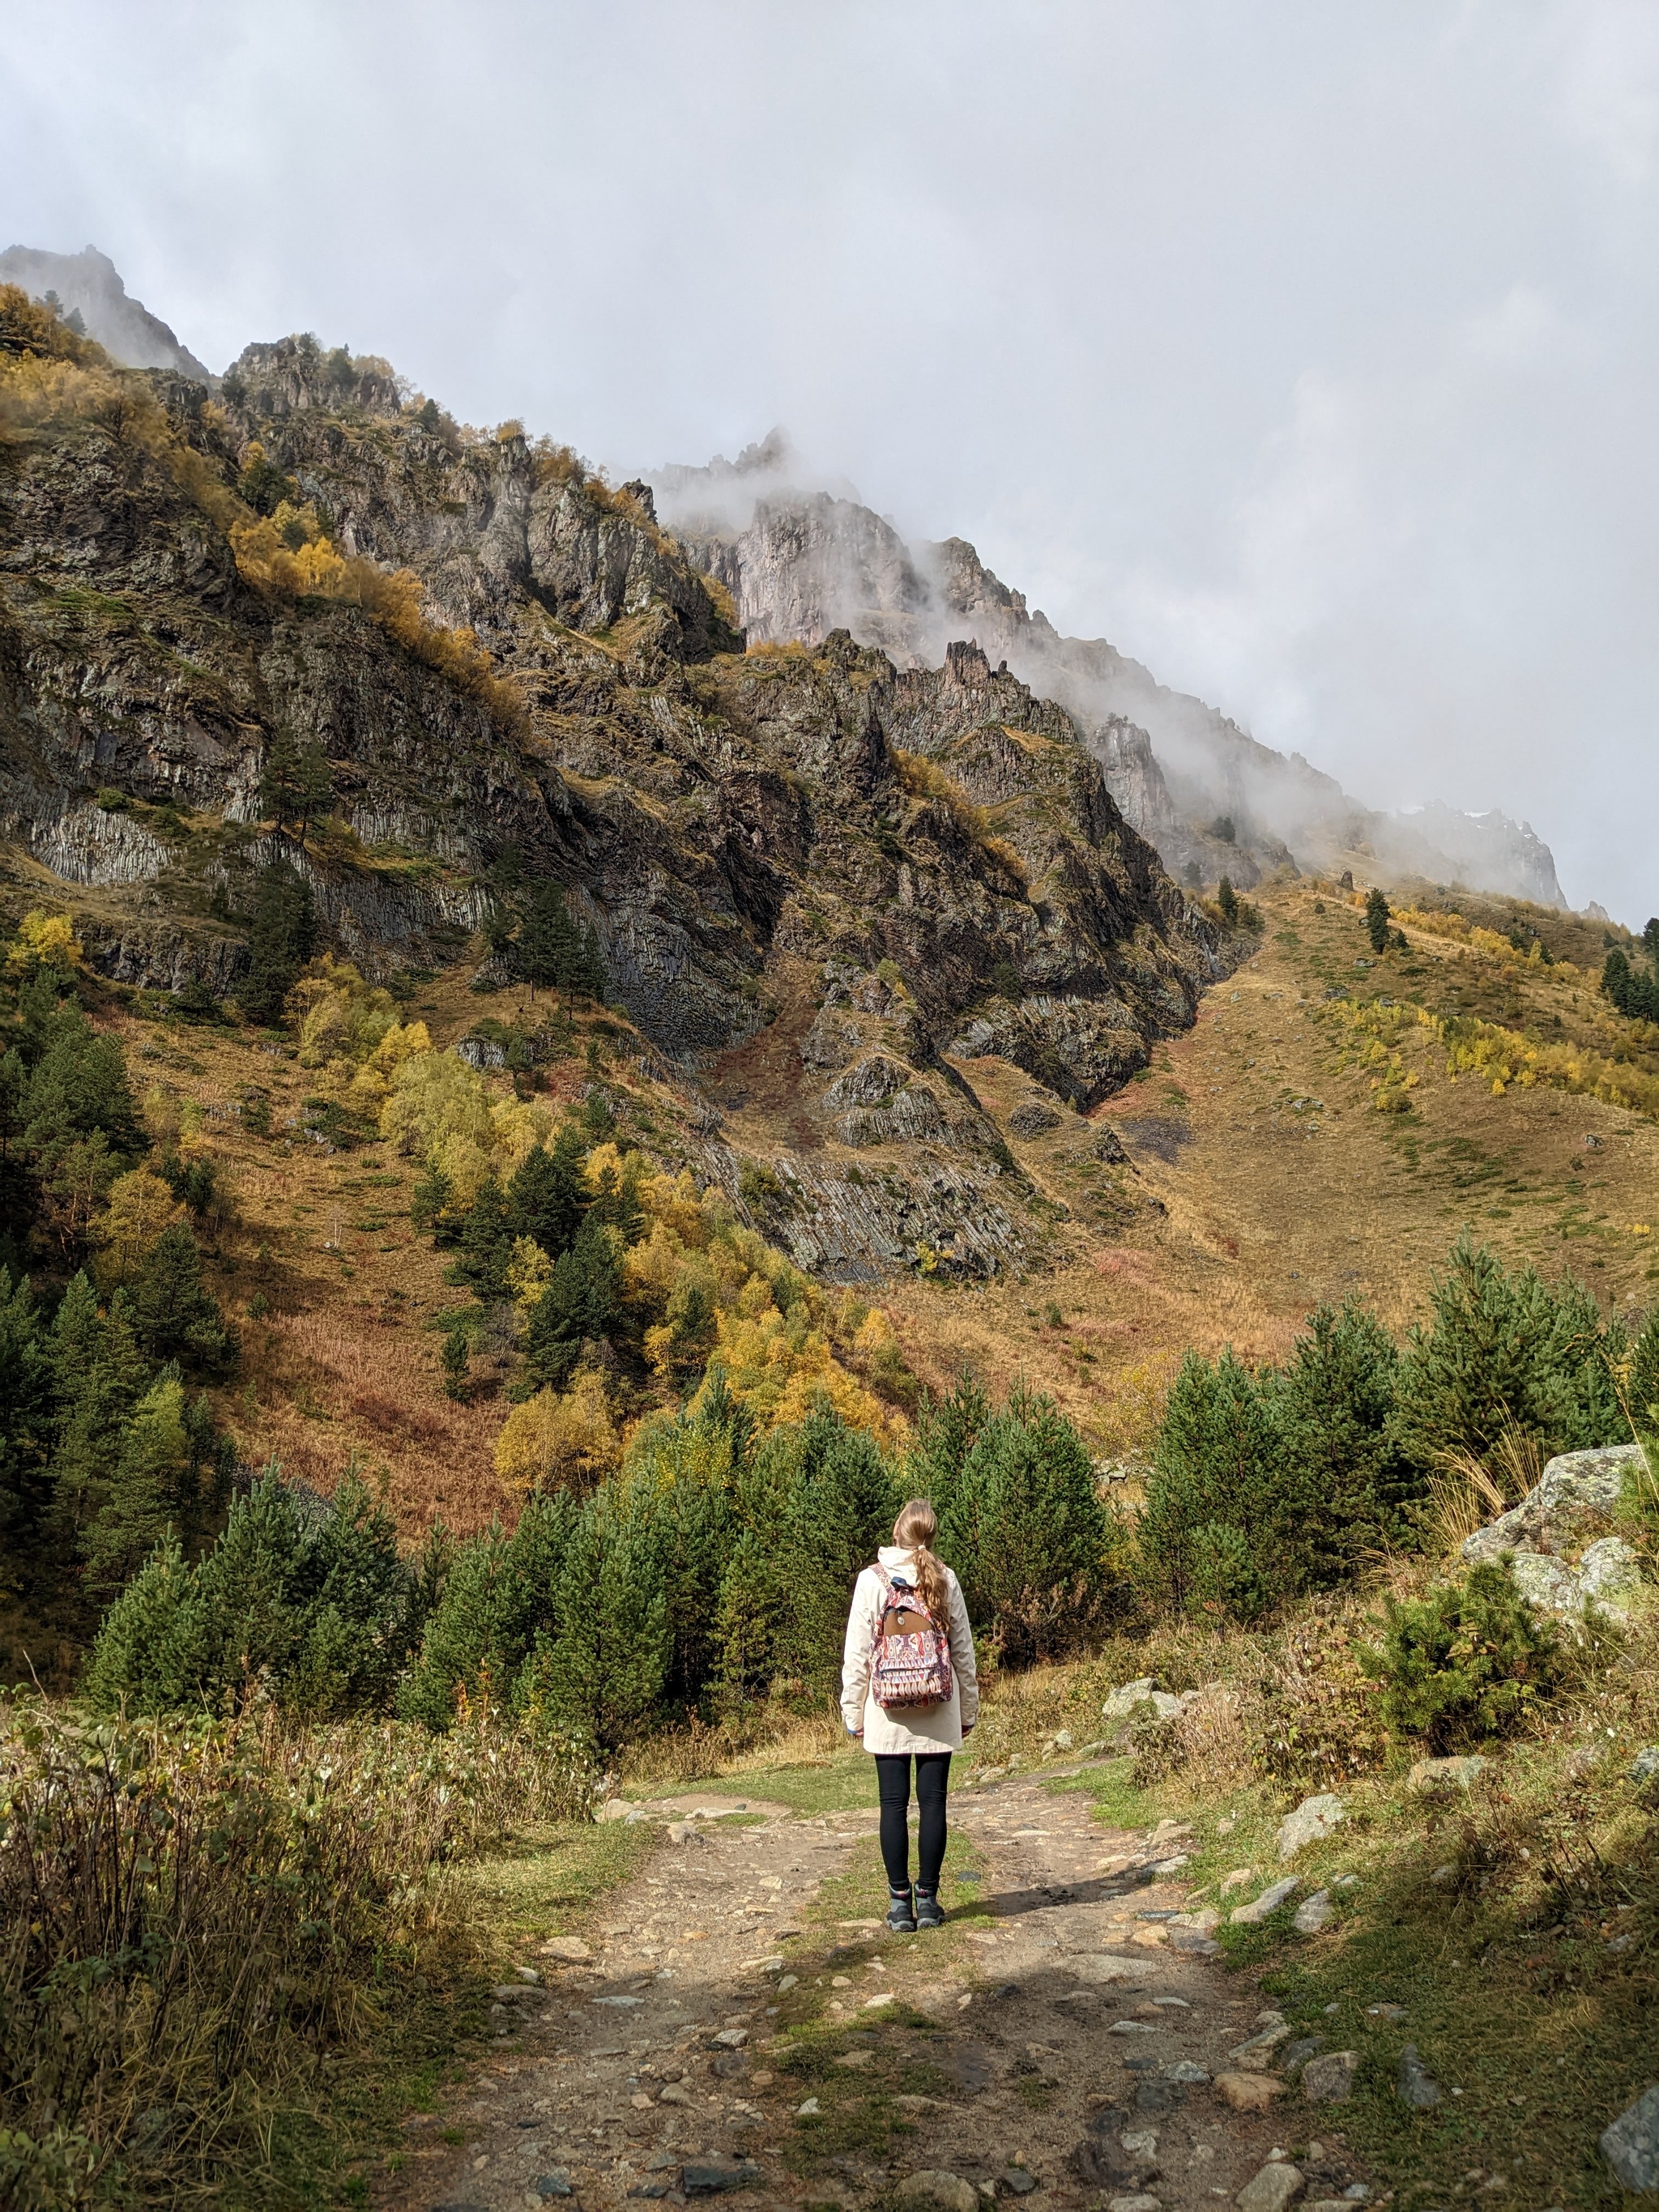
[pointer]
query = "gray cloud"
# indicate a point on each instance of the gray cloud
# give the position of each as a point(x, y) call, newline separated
point(1306, 353)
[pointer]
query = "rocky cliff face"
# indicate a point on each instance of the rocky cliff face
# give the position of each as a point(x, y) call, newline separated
point(799, 563)
point(935, 849)
point(89, 285)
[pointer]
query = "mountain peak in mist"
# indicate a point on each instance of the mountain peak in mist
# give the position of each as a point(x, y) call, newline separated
point(88, 284)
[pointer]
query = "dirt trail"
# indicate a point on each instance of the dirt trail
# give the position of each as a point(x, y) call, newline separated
point(1058, 2026)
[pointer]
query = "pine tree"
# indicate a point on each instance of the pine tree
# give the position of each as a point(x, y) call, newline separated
point(176, 1316)
point(295, 782)
point(1025, 1530)
point(1227, 899)
point(141, 1495)
point(1504, 1351)
point(99, 1374)
point(1215, 1465)
point(26, 1421)
point(839, 1504)
point(500, 1595)
point(79, 1090)
point(1376, 919)
point(603, 1674)
point(282, 938)
point(1643, 1389)
point(1350, 1488)
point(549, 1196)
point(579, 1304)
point(486, 1243)
point(945, 1434)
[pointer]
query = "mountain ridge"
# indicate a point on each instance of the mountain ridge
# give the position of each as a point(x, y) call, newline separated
point(797, 560)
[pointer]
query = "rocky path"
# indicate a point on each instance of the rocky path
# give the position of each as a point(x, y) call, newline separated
point(1065, 2033)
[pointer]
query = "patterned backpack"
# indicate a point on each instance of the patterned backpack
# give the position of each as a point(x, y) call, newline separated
point(911, 1663)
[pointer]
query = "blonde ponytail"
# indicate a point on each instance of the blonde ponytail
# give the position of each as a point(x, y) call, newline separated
point(914, 1532)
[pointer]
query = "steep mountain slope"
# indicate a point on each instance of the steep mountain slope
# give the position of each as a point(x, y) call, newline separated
point(512, 675)
point(89, 285)
point(798, 561)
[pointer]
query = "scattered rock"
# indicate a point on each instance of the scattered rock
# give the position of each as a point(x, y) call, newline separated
point(1205, 1922)
point(557, 2183)
point(1248, 2093)
point(1192, 1944)
point(685, 1831)
point(1385, 2011)
point(1443, 1778)
point(1122, 1702)
point(1313, 1819)
point(1018, 2182)
point(1328, 2079)
point(1261, 2047)
point(1631, 2145)
point(711, 2180)
point(1313, 1913)
point(1250, 1916)
point(1644, 1767)
point(614, 1809)
point(1240, 1878)
point(731, 2038)
point(1140, 2201)
point(934, 2186)
point(1183, 2070)
point(1132, 2027)
point(675, 2092)
point(1272, 2189)
point(513, 1993)
point(1032, 1117)
point(1417, 2086)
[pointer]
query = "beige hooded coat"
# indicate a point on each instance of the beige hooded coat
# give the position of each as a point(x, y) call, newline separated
point(921, 1728)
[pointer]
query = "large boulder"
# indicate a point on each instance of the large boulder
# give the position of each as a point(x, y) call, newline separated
point(1558, 1540)
point(1573, 1502)
point(1312, 1820)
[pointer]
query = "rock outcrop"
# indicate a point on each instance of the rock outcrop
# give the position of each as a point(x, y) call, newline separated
point(1559, 1540)
point(514, 674)
point(800, 562)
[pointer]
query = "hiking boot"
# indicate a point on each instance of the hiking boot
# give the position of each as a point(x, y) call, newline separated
point(900, 1914)
point(930, 1913)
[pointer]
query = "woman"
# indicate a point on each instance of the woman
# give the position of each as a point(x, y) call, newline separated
point(897, 1734)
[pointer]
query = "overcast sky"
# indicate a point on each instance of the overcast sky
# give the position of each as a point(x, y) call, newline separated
point(1307, 352)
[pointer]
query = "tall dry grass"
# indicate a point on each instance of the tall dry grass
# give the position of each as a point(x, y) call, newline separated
point(197, 1917)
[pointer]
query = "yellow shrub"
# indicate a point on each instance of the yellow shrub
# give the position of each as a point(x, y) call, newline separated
point(528, 1274)
point(551, 1442)
point(780, 1369)
point(140, 1207)
point(436, 1097)
point(340, 1016)
point(46, 940)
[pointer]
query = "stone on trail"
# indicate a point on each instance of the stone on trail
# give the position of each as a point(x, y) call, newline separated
point(1261, 2046)
point(1328, 2079)
point(710, 2180)
point(1313, 1913)
point(1248, 2093)
point(614, 1809)
point(1018, 2182)
point(557, 2183)
point(1250, 1916)
point(1184, 2070)
point(1417, 2086)
point(1313, 1819)
point(1138, 2203)
point(1272, 2189)
point(566, 1946)
point(1631, 2145)
point(949, 2191)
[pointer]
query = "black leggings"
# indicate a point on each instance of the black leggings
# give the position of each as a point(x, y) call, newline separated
point(893, 1787)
